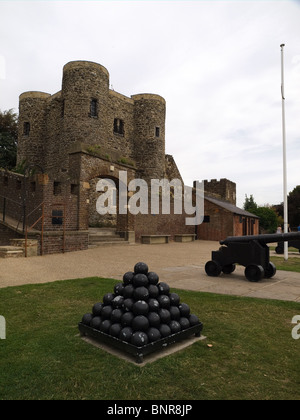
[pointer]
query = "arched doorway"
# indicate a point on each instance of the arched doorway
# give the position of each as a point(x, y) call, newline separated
point(122, 221)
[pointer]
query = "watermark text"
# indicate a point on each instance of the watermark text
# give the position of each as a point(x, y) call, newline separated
point(134, 198)
point(2, 328)
point(296, 329)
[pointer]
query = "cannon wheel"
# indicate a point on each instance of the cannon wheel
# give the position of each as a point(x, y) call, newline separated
point(254, 272)
point(213, 268)
point(270, 270)
point(229, 268)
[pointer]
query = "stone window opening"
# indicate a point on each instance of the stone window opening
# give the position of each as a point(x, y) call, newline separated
point(57, 217)
point(18, 184)
point(26, 128)
point(94, 108)
point(74, 189)
point(119, 126)
point(157, 131)
point(33, 186)
point(56, 188)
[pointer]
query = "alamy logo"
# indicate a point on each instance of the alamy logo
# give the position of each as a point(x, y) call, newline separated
point(296, 329)
point(2, 328)
point(160, 191)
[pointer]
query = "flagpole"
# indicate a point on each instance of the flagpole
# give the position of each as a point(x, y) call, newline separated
point(285, 203)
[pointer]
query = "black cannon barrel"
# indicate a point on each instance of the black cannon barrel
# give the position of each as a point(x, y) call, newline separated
point(268, 238)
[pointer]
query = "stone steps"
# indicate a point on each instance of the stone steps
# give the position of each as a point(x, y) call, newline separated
point(105, 237)
point(10, 251)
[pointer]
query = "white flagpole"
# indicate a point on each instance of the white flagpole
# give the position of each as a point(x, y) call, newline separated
point(285, 203)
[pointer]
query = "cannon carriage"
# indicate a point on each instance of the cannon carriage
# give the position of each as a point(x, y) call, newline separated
point(250, 251)
point(291, 244)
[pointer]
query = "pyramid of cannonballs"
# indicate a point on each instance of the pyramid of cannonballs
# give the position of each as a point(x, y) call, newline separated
point(141, 310)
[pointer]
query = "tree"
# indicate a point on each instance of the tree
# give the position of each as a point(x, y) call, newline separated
point(8, 139)
point(268, 220)
point(249, 204)
point(294, 207)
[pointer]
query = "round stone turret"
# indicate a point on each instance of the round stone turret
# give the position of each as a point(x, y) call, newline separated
point(32, 109)
point(149, 139)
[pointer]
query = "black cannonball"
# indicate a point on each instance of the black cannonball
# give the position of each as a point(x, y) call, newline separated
point(126, 319)
point(141, 293)
point(97, 308)
point(184, 323)
point(140, 307)
point(153, 305)
point(96, 322)
point(127, 304)
point(174, 326)
point(125, 334)
point(86, 319)
point(164, 330)
point(105, 326)
point(118, 289)
point(163, 288)
point(165, 316)
point(128, 291)
point(139, 339)
point(152, 277)
point(116, 315)
point(108, 298)
point(115, 329)
point(118, 301)
point(194, 320)
point(141, 267)
point(153, 291)
point(175, 312)
point(154, 319)
point(106, 312)
point(140, 323)
point(164, 301)
point(140, 280)
point(184, 310)
point(153, 334)
point(127, 278)
point(174, 299)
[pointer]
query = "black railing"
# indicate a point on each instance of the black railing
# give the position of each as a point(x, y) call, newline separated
point(18, 215)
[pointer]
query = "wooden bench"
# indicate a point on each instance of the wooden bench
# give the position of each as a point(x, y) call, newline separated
point(185, 237)
point(155, 239)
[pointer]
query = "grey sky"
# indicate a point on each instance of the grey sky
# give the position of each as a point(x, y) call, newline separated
point(217, 64)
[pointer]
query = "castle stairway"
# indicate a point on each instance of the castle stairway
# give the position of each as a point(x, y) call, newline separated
point(105, 237)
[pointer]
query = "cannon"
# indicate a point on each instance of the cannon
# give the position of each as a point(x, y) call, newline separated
point(293, 244)
point(250, 251)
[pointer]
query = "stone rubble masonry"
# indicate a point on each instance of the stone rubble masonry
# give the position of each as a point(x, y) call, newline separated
point(59, 121)
point(71, 139)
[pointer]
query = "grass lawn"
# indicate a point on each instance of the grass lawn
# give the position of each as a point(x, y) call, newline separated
point(253, 354)
point(292, 264)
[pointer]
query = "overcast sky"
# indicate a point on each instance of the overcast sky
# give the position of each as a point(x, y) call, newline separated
point(217, 64)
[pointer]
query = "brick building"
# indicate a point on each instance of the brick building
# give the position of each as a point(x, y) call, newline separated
point(69, 141)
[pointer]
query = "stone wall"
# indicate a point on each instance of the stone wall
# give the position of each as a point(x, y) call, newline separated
point(223, 189)
point(133, 128)
point(7, 234)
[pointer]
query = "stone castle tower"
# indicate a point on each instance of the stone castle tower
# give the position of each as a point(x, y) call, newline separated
point(86, 132)
point(87, 115)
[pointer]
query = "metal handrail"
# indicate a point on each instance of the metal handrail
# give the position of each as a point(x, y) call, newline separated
point(22, 205)
point(27, 229)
